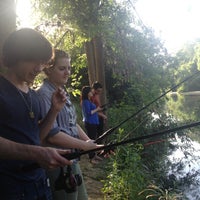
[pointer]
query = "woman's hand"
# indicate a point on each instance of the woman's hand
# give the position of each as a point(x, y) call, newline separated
point(58, 99)
point(90, 144)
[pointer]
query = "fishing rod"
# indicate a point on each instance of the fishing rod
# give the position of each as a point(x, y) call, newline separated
point(109, 131)
point(132, 140)
point(78, 154)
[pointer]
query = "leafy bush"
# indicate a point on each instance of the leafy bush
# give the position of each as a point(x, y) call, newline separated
point(126, 176)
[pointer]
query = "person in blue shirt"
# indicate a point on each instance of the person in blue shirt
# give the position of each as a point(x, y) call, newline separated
point(22, 129)
point(90, 118)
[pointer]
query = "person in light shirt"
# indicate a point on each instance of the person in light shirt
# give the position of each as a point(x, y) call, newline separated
point(66, 132)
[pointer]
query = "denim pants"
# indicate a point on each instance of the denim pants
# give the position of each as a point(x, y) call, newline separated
point(91, 130)
point(15, 190)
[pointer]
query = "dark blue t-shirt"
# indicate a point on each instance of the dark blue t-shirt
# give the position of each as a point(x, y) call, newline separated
point(17, 125)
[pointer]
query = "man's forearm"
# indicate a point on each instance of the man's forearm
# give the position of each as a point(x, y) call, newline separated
point(47, 123)
point(17, 151)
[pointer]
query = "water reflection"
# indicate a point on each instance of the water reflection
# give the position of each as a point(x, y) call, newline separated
point(185, 166)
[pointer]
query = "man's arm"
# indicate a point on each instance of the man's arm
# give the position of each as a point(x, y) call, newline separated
point(48, 158)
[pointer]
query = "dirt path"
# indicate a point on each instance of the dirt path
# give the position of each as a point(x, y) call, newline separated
point(92, 176)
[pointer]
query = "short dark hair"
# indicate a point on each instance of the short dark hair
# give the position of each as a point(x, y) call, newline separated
point(96, 85)
point(26, 45)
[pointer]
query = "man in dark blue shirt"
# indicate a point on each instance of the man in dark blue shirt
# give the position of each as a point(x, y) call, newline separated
point(25, 54)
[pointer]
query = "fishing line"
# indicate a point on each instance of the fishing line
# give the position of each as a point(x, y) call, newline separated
point(145, 119)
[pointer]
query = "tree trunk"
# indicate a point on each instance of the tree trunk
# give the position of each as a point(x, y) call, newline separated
point(99, 64)
point(96, 67)
point(7, 20)
point(91, 61)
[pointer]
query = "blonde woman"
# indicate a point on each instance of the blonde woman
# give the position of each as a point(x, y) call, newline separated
point(65, 133)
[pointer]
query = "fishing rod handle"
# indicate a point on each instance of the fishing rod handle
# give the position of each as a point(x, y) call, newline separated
point(71, 156)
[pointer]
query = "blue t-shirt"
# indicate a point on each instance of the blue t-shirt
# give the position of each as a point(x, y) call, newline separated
point(17, 125)
point(87, 107)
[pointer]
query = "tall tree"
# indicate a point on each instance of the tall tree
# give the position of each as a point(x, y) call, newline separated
point(7, 20)
point(115, 41)
point(92, 20)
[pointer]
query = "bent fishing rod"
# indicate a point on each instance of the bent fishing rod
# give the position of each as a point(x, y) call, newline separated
point(109, 131)
point(78, 154)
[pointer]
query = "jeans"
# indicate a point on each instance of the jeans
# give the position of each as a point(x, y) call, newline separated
point(91, 130)
point(15, 190)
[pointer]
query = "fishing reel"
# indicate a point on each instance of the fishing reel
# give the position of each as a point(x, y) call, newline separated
point(67, 180)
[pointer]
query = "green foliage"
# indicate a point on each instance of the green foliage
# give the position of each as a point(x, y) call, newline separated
point(185, 106)
point(151, 158)
point(131, 52)
point(39, 79)
point(127, 175)
point(138, 70)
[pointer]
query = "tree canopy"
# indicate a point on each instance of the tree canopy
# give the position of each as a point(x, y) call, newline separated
point(108, 42)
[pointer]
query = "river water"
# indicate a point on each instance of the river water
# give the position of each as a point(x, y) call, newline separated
point(186, 159)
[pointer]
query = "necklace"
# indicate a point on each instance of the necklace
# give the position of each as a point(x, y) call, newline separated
point(31, 113)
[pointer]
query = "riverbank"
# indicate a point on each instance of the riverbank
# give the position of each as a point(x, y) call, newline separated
point(93, 175)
